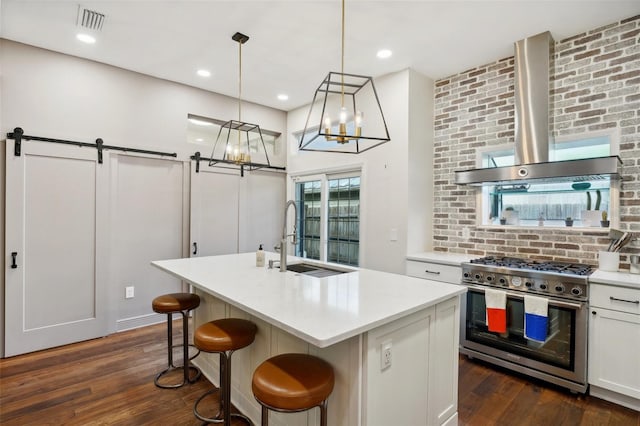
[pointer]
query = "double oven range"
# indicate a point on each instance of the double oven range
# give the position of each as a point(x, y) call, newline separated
point(562, 357)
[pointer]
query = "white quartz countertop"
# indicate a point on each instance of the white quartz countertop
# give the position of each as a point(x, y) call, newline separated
point(321, 311)
point(443, 258)
point(622, 279)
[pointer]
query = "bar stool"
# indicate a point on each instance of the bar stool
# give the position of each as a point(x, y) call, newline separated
point(224, 337)
point(172, 304)
point(290, 383)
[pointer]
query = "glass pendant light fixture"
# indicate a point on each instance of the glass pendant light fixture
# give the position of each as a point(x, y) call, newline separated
point(237, 141)
point(336, 120)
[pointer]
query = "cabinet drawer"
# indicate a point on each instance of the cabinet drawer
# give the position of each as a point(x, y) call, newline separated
point(434, 271)
point(621, 299)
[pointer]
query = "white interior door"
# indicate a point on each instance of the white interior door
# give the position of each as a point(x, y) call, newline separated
point(147, 197)
point(55, 225)
point(214, 211)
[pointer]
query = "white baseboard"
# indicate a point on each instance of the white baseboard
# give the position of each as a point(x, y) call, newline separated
point(615, 397)
point(139, 321)
point(452, 421)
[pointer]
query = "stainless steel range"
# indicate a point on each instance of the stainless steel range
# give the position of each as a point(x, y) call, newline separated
point(562, 357)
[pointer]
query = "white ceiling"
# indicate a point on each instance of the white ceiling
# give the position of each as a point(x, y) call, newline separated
point(295, 43)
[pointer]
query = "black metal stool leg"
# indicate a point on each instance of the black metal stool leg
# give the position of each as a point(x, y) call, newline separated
point(227, 389)
point(265, 416)
point(323, 413)
point(224, 397)
point(185, 346)
point(170, 339)
point(186, 364)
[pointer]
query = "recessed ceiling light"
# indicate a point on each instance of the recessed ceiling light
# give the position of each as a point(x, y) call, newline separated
point(283, 97)
point(204, 73)
point(199, 139)
point(86, 38)
point(384, 53)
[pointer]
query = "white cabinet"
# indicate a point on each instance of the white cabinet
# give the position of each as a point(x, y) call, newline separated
point(614, 344)
point(434, 271)
point(424, 365)
point(437, 266)
point(418, 387)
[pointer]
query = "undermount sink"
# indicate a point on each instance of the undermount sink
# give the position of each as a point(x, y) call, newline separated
point(313, 270)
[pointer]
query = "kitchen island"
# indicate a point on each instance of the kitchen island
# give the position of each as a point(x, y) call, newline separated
point(350, 320)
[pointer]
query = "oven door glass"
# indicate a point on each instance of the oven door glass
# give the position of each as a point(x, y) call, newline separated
point(558, 349)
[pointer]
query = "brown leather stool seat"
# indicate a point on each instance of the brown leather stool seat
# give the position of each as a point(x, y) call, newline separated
point(170, 304)
point(292, 383)
point(223, 336)
point(175, 302)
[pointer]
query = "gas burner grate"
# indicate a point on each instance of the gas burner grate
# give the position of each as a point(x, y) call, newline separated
point(535, 265)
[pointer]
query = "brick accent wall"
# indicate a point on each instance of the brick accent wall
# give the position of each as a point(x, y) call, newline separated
point(595, 85)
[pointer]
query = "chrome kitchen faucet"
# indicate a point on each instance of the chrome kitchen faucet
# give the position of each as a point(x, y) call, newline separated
point(283, 241)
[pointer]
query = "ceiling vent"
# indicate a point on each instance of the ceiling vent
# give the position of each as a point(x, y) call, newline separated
point(89, 19)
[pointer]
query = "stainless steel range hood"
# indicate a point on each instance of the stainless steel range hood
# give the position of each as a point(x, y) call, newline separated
point(532, 64)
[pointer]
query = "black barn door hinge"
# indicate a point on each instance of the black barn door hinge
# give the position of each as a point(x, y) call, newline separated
point(99, 143)
point(197, 158)
point(17, 137)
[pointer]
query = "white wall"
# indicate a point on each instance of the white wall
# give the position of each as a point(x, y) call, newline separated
point(388, 199)
point(420, 162)
point(58, 96)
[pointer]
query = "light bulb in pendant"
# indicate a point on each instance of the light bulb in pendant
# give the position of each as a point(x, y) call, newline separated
point(358, 121)
point(343, 115)
point(327, 124)
point(342, 126)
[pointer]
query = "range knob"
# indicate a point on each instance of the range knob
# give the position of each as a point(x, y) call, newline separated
point(543, 286)
point(466, 275)
point(559, 288)
point(490, 278)
point(528, 284)
point(478, 276)
point(503, 281)
point(576, 291)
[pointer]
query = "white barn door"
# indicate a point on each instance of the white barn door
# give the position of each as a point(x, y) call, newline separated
point(147, 204)
point(214, 211)
point(55, 282)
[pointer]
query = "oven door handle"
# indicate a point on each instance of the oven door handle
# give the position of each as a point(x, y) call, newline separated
point(552, 302)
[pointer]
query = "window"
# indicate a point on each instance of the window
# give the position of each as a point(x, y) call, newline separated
point(549, 204)
point(344, 220)
point(308, 199)
point(205, 130)
point(329, 218)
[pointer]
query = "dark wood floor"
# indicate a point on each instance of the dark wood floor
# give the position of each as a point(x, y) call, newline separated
point(110, 381)
point(489, 395)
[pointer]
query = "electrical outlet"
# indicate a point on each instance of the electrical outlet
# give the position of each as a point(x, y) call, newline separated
point(385, 355)
point(129, 292)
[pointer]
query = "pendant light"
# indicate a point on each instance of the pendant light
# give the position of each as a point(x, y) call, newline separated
point(237, 141)
point(336, 120)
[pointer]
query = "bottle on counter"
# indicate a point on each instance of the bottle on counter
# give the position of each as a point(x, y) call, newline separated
point(260, 256)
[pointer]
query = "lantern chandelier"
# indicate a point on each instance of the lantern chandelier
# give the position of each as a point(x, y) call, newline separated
point(240, 139)
point(345, 96)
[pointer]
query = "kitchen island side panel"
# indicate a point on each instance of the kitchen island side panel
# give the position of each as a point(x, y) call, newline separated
point(420, 385)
